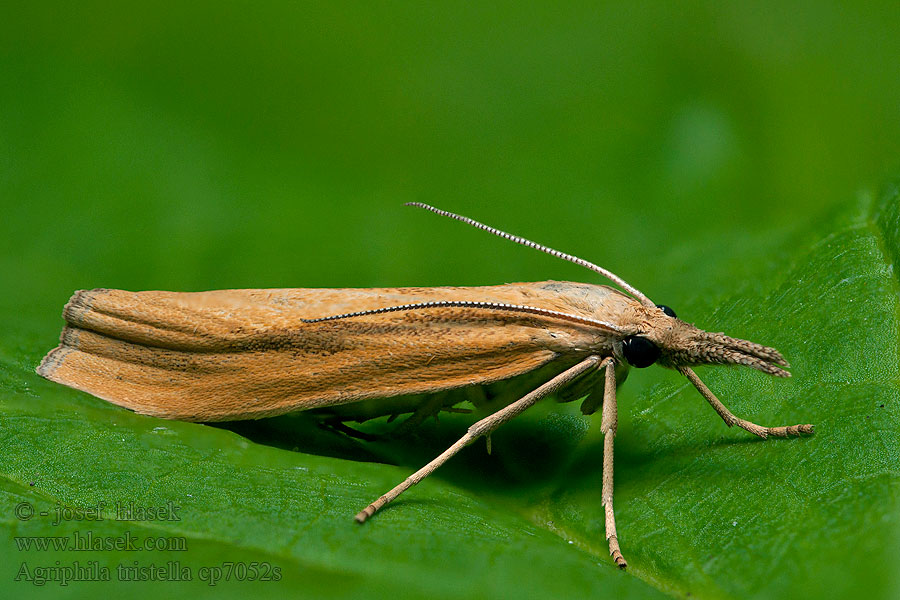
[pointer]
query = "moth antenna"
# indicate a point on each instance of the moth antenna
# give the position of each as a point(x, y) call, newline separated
point(520, 308)
point(525, 242)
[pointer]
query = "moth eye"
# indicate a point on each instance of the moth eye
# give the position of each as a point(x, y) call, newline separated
point(639, 351)
point(666, 310)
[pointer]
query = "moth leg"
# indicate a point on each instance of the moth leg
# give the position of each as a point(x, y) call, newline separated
point(429, 408)
point(581, 387)
point(730, 419)
point(335, 424)
point(482, 427)
point(608, 424)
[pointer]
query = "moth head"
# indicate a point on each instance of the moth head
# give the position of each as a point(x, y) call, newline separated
point(662, 338)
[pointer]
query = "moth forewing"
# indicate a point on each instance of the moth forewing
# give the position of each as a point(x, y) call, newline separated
point(246, 354)
point(240, 354)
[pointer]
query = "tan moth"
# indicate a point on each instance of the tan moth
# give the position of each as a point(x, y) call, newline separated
point(246, 354)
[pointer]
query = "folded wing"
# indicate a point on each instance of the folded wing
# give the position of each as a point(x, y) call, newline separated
point(239, 354)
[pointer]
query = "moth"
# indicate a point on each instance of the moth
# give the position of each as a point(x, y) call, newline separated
point(246, 354)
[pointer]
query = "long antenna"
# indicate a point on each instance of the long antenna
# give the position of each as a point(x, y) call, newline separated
point(525, 242)
point(519, 308)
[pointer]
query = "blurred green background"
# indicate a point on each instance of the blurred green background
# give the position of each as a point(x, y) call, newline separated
point(688, 147)
point(214, 145)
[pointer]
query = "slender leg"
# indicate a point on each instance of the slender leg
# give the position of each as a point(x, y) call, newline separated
point(608, 424)
point(429, 408)
point(730, 419)
point(482, 427)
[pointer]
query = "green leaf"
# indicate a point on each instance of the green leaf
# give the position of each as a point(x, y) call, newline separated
point(702, 510)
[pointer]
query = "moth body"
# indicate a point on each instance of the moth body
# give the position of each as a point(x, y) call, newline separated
point(361, 353)
point(243, 354)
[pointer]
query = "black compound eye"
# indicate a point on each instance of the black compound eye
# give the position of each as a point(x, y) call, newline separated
point(666, 310)
point(639, 351)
